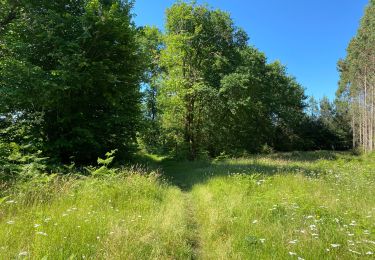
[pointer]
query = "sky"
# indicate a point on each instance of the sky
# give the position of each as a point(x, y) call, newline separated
point(308, 36)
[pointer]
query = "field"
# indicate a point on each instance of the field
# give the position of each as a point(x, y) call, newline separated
point(317, 205)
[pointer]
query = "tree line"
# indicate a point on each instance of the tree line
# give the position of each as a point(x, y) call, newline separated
point(80, 78)
point(357, 82)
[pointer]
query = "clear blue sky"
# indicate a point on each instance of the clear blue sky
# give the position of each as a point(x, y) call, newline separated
point(307, 36)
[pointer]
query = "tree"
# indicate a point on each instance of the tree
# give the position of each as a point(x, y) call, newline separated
point(151, 41)
point(357, 82)
point(77, 63)
point(200, 48)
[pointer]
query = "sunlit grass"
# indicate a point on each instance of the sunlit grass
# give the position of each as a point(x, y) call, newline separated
point(282, 206)
point(277, 209)
point(131, 215)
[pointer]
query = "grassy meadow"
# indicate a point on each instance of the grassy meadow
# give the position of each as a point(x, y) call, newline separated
point(317, 205)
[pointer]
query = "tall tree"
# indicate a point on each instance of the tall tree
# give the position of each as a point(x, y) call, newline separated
point(357, 83)
point(151, 40)
point(201, 47)
point(75, 62)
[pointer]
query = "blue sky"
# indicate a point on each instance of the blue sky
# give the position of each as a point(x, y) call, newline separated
point(307, 36)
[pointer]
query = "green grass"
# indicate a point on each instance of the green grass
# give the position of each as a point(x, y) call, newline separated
point(283, 206)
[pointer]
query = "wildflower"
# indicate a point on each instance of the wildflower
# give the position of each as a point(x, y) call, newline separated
point(351, 243)
point(23, 253)
point(262, 240)
point(369, 253)
point(293, 241)
point(255, 221)
point(36, 225)
point(335, 245)
point(366, 232)
point(300, 258)
point(42, 233)
point(47, 219)
point(312, 227)
point(10, 222)
point(354, 252)
point(292, 253)
point(309, 217)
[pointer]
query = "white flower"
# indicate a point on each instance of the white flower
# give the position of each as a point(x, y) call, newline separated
point(293, 241)
point(355, 252)
point(23, 253)
point(262, 240)
point(312, 227)
point(335, 245)
point(41, 233)
point(255, 221)
point(36, 225)
point(292, 253)
point(300, 258)
point(10, 222)
point(369, 253)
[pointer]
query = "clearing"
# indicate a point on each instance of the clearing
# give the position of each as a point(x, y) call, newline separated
point(317, 205)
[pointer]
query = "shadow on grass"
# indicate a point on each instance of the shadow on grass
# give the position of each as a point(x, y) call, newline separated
point(186, 175)
point(305, 156)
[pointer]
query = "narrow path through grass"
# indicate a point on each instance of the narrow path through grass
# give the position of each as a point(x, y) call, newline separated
point(192, 225)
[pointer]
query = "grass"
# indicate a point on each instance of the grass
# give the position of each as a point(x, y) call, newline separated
point(317, 205)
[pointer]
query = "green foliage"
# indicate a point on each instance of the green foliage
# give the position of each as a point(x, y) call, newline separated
point(19, 153)
point(325, 126)
point(77, 64)
point(103, 170)
point(200, 48)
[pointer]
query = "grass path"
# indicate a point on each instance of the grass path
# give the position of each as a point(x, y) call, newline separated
point(285, 206)
point(192, 225)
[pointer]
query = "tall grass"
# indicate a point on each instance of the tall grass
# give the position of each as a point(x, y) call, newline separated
point(280, 206)
point(130, 215)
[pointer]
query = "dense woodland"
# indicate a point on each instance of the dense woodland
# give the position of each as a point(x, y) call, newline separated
point(80, 78)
